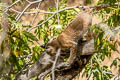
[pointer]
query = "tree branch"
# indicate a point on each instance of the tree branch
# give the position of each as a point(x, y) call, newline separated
point(45, 62)
point(4, 45)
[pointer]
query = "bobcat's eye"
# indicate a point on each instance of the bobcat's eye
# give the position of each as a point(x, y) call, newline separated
point(48, 49)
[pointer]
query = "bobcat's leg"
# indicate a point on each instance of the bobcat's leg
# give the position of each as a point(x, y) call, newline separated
point(65, 43)
point(73, 53)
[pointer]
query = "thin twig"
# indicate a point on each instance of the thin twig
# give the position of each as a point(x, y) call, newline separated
point(25, 56)
point(33, 2)
point(12, 5)
point(57, 6)
point(19, 15)
point(53, 16)
point(45, 12)
point(95, 7)
point(116, 29)
point(54, 64)
point(117, 77)
point(58, 52)
point(90, 69)
point(24, 67)
point(67, 8)
point(36, 14)
point(107, 73)
point(41, 23)
point(42, 75)
point(30, 3)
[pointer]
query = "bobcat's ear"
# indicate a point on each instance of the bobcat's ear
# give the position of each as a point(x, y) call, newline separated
point(43, 45)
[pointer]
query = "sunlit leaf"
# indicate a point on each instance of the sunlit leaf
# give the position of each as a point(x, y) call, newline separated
point(98, 41)
point(114, 63)
point(30, 35)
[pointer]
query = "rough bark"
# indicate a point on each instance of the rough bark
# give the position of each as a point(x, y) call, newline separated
point(83, 48)
point(75, 70)
point(4, 45)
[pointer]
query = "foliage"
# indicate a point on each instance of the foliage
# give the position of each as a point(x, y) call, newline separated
point(25, 51)
point(111, 14)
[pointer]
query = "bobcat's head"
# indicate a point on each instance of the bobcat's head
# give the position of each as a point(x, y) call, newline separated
point(51, 47)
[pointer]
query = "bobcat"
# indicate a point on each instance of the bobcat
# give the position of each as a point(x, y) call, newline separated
point(68, 39)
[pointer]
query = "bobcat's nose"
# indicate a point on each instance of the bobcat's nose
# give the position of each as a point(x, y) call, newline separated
point(43, 45)
point(49, 49)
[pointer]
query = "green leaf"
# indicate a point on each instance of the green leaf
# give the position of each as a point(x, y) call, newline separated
point(20, 62)
point(112, 46)
point(11, 32)
point(13, 0)
point(30, 35)
point(27, 26)
point(114, 63)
